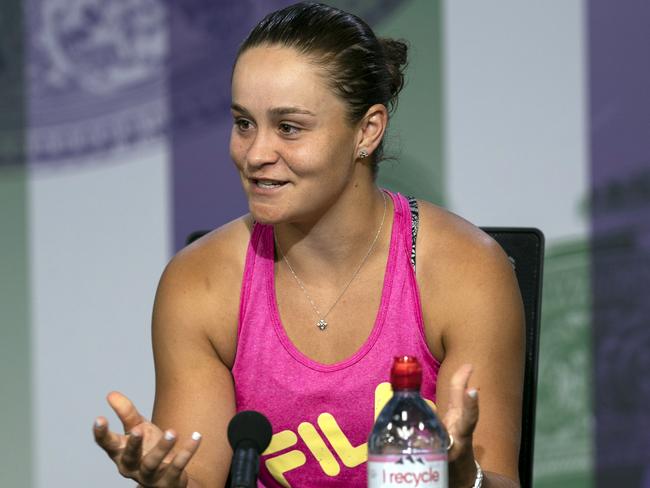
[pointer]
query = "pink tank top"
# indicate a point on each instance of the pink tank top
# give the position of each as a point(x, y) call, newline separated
point(322, 414)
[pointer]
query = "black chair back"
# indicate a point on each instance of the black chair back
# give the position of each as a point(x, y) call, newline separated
point(525, 248)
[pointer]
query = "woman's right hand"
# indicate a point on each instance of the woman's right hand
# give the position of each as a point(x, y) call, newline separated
point(144, 452)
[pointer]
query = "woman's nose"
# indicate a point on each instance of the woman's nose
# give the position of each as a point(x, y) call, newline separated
point(262, 151)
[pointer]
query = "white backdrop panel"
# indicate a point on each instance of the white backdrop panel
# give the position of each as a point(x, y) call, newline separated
point(100, 238)
point(515, 113)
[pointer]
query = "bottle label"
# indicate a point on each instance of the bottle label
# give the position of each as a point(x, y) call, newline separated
point(416, 470)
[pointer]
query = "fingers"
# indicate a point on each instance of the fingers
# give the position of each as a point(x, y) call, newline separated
point(461, 454)
point(125, 410)
point(158, 464)
point(133, 451)
point(462, 414)
point(469, 418)
point(175, 470)
point(107, 440)
point(459, 385)
point(150, 464)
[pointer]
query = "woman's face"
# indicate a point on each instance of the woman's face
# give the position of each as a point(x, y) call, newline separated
point(291, 141)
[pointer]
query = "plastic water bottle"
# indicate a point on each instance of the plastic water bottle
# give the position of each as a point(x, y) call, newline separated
point(408, 443)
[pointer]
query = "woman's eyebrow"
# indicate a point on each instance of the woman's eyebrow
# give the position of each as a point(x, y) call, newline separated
point(290, 110)
point(238, 108)
point(274, 111)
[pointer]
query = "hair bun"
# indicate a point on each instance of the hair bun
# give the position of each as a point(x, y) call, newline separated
point(396, 54)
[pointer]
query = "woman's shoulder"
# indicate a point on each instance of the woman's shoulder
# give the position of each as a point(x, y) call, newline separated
point(215, 255)
point(460, 267)
point(444, 235)
point(457, 258)
point(198, 293)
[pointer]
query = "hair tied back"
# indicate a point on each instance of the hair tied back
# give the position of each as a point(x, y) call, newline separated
point(396, 55)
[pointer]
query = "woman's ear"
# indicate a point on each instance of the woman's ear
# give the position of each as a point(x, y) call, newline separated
point(371, 130)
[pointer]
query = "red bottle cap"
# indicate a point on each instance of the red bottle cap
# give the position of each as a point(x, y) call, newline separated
point(406, 373)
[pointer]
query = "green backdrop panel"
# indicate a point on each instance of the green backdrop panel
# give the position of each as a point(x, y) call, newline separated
point(15, 372)
point(564, 430)
point(414, 139)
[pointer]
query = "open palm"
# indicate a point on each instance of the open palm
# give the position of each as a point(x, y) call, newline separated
point(144, 452)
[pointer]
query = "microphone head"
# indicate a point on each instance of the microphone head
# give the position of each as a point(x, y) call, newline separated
point(251, 429)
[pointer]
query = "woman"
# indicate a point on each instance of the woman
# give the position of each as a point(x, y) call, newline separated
point(297, 309)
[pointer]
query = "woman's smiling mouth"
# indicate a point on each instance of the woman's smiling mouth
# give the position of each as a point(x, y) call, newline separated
point(267, 184)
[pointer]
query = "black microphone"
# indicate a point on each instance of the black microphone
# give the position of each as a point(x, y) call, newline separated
point(249, 434)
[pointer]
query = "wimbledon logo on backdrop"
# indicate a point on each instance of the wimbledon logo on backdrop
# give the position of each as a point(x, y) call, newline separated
point(99, 73)
point(95, 77)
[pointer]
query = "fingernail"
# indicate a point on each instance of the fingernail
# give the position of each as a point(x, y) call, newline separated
point(169, 436)
point(196, 436)
point(136, 434)
point(99, 424)
point(473, 393)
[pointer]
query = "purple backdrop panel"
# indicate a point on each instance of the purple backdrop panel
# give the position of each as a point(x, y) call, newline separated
point(95, 78)
point(204, 36)
point(619, 43)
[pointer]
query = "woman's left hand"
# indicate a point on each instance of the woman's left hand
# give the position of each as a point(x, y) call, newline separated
point(460, 420)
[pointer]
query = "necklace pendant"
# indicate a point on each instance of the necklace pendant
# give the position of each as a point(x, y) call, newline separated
point(321, 324)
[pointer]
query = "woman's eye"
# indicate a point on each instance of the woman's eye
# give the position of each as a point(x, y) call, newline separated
point(243, 124)
point(288, 129)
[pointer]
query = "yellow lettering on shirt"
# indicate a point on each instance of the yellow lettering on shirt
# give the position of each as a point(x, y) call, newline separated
point(384, 392)
point(317, 446)
point(279, 465)
point(350, 455)
point(280, 441)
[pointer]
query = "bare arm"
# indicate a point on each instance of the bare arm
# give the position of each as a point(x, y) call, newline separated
point(194, 334)
point(194, 389)
point(477, 319)
point(194, 339)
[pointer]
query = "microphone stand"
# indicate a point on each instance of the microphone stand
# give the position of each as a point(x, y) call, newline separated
point(241, 474)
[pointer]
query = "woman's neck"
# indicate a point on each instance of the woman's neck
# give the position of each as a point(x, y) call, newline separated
point(334, 243)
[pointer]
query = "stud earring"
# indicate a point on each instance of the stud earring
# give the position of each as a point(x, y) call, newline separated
point(363, 154)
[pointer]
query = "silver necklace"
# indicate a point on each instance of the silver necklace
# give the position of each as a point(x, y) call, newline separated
point(322, 323)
